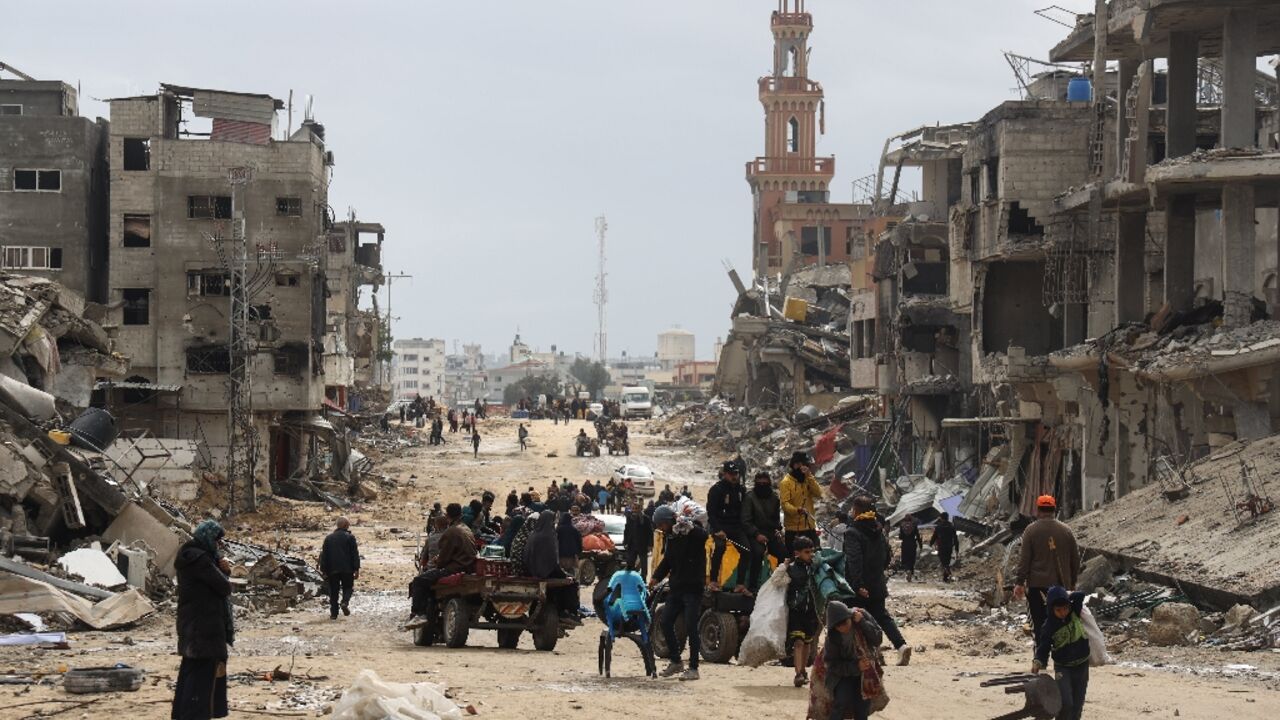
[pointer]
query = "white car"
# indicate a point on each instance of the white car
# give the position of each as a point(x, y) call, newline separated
point(640, 476)
point(615, 527)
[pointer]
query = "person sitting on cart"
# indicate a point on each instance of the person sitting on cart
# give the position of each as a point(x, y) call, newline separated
point(724, 513)
point(457, 555)
point(542, 561)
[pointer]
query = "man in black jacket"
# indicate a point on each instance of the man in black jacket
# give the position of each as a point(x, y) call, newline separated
point(762, 520)
point(684, 558)
point(340, 565)
point(866, 557)
point(724, 515)
point(638, 538)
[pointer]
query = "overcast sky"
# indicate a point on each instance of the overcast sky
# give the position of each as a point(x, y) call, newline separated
point(487, 135)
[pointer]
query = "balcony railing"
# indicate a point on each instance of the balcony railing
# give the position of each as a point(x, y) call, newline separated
point(802, 19)
point(791, 166)
point(789, 84)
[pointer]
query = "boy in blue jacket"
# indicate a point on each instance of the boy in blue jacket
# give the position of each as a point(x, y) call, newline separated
point(1063, 636)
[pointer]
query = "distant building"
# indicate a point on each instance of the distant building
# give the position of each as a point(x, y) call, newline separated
point(695, 374)
point(418, 367)
point(501, 377)
point(465, 376)
point(53, 185)
point(675, 346)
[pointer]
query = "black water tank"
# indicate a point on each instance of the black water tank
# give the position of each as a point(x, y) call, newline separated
point(95, 429)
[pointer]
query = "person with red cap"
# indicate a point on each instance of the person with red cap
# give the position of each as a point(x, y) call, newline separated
point(1050, 557)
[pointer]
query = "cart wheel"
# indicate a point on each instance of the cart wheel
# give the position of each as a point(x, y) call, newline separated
point(719, 634)
point(586, 571)
point(509, 639)
point(457, 621)
point(547, 630)
point(658, 639)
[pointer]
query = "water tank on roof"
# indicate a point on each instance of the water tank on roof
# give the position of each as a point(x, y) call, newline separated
point(1079, 89)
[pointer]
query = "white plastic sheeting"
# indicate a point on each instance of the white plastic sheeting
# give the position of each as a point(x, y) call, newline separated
point(767, 637)
point(372, 698)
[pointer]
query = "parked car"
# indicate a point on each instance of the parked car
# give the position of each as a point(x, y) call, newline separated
point(640, 476)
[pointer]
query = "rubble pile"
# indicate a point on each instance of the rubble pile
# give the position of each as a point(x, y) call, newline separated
point(268, 581)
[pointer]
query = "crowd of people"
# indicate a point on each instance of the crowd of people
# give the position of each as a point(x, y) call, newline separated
point(540, 533)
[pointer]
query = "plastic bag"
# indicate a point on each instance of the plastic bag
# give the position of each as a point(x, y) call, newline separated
point(372, 698)
point(1097, 641)
point(767, 637)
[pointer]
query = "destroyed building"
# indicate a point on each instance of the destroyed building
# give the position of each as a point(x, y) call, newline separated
point(53, 175)
point(189, 208)
point(352, 331)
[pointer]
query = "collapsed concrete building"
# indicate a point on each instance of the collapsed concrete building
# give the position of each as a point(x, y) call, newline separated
point(353, 332)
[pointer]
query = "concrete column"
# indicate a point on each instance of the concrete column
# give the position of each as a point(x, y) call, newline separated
point(1128, 73)
point(1180, 137)
point(1239, 228)
point(1239, 60)
point(1102, 295)
point(1180, 252)
point(1130, 272)
point(1073, 324)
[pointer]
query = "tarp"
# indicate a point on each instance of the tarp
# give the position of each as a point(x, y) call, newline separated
point(372, 698)
point(19, 595)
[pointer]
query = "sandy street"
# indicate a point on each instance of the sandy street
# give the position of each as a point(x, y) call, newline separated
point(941, 682)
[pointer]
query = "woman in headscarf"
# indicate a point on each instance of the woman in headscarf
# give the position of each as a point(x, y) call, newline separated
point(205, 626)
point(542, 561)
point(569, 543)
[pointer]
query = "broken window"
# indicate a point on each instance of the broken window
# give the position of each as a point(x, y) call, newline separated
point(291, 359)
point(137, 306)
point(812, 196)
point(337, 243)
point(289, 206)
point(809, 241)
point(10, 109)
point(210, 207)
point(209, 360)
point(1021, 222)
point(137, 154)
point(287, 280)
point(37, 180)
point(993, 177)
point(137, 231)
point(793, 135)
point(55, 258)
point(975, 194)
point(208, 283)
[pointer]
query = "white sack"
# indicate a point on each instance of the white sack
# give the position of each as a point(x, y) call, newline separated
point(766, 639)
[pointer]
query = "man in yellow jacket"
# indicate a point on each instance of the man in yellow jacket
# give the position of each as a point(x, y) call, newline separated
point(798, 491)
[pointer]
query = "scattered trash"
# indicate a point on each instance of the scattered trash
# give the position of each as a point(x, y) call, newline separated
point(372, 698)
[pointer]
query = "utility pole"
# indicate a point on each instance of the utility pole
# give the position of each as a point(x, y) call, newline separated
point(601, 295)
point(242, 435)
point(390, 278)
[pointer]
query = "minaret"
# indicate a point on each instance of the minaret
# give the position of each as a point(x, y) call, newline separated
point(792, 105)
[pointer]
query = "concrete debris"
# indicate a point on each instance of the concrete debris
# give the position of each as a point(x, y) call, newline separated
point(21, 594)
point(92, 566)
point(269, 581)
point(1174, 624)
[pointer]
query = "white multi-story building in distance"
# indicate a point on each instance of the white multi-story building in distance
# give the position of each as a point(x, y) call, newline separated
point(418, 368)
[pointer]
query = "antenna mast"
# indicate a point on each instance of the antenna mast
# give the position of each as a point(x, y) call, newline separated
point(601, 296)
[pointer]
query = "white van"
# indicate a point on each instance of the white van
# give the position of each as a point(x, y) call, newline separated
point(637, 402)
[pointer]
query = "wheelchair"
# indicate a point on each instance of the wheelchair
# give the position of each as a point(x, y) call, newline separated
point(623, 605)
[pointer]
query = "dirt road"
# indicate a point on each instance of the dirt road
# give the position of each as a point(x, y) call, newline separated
point(941, 682)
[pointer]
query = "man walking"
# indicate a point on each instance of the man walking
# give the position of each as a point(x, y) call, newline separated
point(475, 443)
point(1050, 557)
point(761, 519)
point(724, 515)
point(684, 558)
point(947, 541)
point(340, 565)
point(523, 435)
point(866, 557)
point(798, 491)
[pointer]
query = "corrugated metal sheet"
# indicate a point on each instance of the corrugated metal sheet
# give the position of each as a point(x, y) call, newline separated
point(241, 132)
point(230, 106)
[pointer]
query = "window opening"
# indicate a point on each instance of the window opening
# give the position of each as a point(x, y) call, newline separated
point(37, 180)
point(793, 135)
point(137, 231)
point(208, 283)
point(209, 360)
point(210, 207)
point(137, 154)
point(137, 306)
point(10, 109)
point(289, 206)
